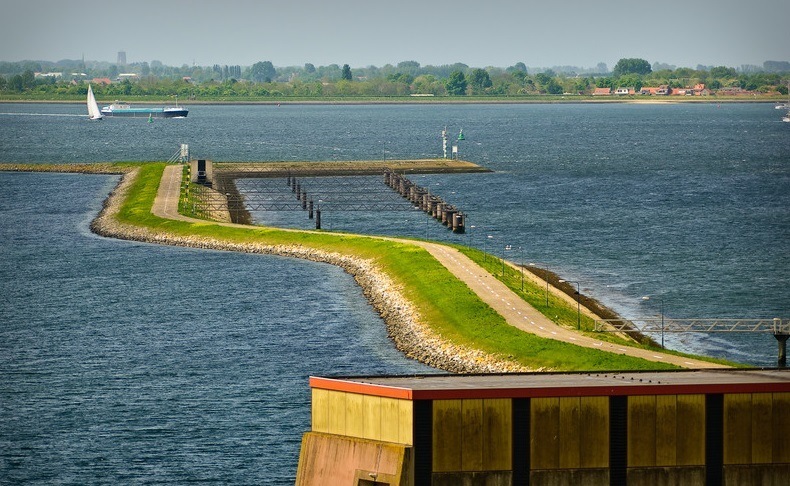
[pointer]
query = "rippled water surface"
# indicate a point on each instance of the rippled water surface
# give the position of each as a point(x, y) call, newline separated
point(129, 363)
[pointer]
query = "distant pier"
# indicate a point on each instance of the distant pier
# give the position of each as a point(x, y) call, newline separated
point(313, 186)
point(421, 197)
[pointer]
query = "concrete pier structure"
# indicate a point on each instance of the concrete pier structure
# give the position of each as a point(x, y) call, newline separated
point(706, 427)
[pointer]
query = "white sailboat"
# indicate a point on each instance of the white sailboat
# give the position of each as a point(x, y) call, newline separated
point(93, 107)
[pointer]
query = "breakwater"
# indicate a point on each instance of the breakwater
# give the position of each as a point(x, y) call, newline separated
point(402, 320)
point(422, 198)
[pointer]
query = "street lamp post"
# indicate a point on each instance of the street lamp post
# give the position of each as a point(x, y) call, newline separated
point(545, 277)
point(521, 262)
point(661, 310)
point(578, 306)
point(485, 251)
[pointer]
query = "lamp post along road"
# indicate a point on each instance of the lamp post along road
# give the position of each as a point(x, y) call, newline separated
point(578, 305)
point(545, 277)
point(661, 310)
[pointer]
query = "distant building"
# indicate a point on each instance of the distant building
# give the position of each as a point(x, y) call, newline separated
point(121, 58)
point(101, 81)
point(624, 91)
point(602, 92)
point(47, 75)
point(129, 76)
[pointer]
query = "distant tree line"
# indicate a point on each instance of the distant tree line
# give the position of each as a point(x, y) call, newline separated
point(263, 79)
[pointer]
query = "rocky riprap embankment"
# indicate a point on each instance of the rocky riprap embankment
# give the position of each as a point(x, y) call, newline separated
point(403, 323)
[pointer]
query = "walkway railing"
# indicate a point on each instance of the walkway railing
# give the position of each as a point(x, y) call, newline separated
point(657, 324)
point(780, 328)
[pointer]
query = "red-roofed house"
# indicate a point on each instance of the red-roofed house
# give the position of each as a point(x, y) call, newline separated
point(602, 92)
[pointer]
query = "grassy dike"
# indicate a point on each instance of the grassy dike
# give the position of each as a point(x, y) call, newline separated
point(442, 303)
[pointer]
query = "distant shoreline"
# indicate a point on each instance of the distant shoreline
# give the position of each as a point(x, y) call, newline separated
point(433, 101)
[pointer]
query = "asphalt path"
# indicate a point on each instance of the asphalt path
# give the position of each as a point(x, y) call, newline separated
point(498, 296)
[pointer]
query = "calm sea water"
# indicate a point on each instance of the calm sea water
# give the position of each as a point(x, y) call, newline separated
point(130, 363)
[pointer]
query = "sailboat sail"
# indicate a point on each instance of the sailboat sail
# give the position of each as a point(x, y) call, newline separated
point(93, 107)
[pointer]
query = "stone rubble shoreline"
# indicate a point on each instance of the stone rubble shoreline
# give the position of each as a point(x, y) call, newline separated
point(410, 336)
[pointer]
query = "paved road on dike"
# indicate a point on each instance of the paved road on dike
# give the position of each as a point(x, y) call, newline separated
point(504, 301)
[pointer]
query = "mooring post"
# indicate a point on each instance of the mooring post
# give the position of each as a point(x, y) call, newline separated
point(318, 218)
point(781, 336)
point(304, 200)
point(288, 180)
point(310, 209)
point(458, 223)
point(295, 186)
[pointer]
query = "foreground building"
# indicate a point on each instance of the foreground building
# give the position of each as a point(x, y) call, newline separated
point(637, 428)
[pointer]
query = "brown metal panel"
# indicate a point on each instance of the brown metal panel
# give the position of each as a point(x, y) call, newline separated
point(472, 443)
point(781, 429)
point(447, 435)
point(666, 430)
point(738, 428)
point(497, 434)
point(545, 433)
point(569, 432)
point(691, 430)
point(762, 428)
point(594, 432)
point(642, 431)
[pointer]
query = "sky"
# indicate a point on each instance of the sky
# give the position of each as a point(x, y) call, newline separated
point(360, 33)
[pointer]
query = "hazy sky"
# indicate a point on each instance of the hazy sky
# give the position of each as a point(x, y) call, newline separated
point(371, 32)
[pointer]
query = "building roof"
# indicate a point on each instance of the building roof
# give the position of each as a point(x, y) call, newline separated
point(537, 385)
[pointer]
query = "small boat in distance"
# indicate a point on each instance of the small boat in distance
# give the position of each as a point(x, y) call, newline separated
point(120, 108)
point(93, 107)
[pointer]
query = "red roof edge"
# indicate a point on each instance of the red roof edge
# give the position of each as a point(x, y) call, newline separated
point(361, 388)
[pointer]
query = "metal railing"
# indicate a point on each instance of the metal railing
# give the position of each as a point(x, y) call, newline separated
point(658, 324)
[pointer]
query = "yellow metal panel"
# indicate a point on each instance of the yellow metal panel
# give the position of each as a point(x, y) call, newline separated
point(738, 428)
point(406, 422)
point(319, 410)
point(354, 417)
point(447, 435)
point(497, 434)
point(762, 428)
point(390, 420)
point(544, 424)
point(594, 432)
point(569, 432)
point(472, 442)
point(781, 429)
point(371, 417)
point(666, 430)
point(641, 431)
point(691, 430)
point(336, 412)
